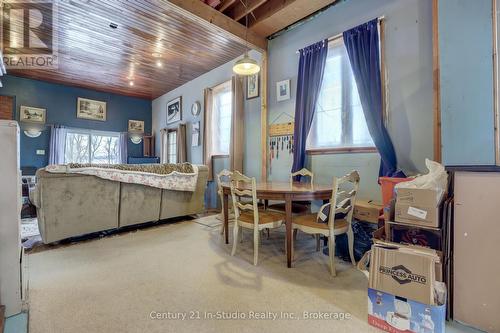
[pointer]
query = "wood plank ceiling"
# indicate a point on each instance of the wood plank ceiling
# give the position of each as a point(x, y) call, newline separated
point(265, 17)
point(159, 45)
point(155, 46)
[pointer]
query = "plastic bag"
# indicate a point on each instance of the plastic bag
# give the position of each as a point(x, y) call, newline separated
point(436, 179)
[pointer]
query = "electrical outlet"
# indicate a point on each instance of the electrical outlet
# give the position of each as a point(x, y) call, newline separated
point(40, 152)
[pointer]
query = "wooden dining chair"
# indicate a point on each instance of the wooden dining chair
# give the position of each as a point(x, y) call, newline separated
point(298, 208)
point(331, 222)
point(304, 173)
point(247, 214)
point(224, 177)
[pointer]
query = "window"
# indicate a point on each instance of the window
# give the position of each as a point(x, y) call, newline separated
point(221, 118)
point(172, 147)
point(339, 122)
point(86, 146)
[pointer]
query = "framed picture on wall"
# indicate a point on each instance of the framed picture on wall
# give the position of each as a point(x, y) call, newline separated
point(174, 110)
point(32, 115)
point(195, 134)
point(91, 109)
point(253, 86)
point(136, 126)
point(283, 90)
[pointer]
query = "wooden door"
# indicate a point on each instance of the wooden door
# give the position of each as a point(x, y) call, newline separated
point(149, 146)
point(7, 107)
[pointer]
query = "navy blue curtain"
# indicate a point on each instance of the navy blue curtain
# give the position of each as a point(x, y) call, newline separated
point(362, 43)
point(311, 68)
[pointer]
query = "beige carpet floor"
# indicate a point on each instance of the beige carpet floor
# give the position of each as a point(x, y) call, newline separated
point(116, 284)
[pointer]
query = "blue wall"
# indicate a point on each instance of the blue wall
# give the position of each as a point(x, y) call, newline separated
point(408, 51)
point(467, 113)
point(60, 102)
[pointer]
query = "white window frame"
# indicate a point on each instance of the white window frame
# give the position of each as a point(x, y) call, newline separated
point(320, 150)
point(224, 87)
point(89, 133)
point(171, 153)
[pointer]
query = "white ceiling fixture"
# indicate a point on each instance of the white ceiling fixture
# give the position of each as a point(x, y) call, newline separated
point(246, 65)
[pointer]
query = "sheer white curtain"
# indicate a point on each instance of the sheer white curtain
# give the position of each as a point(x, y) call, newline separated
point(57, 144)
point(208, 131)
point(164, 146)
point(237, 133)
point(123, 151)
point(181, 144)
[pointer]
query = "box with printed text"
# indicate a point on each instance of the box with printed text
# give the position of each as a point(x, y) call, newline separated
point(418, 207)
point(397, 314)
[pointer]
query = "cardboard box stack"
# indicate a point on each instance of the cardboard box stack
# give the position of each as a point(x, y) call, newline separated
point(404, 290)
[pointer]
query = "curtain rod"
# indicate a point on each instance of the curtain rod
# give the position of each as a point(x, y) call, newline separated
point(338, 36)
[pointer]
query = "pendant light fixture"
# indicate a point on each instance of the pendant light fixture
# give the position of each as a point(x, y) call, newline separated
point(246, 66)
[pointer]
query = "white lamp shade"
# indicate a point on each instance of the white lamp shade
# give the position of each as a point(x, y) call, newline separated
point(246, 66)
point(33, 133)
point(136, 139)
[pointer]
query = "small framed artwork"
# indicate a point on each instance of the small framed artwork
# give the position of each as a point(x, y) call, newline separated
point(91, 109)
point(136, 126)
point(174, 108)
point(283, 90)
point(32, 115)
point(253, 86)
point(195, 134)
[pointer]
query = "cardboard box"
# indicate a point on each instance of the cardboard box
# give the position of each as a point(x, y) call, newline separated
point(380, 237)
point(404, 270)
point(396, 314)
point(396, 272)
point(410, 234)
point(418, 207)
point(368, 211)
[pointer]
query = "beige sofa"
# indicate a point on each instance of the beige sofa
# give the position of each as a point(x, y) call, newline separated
point(71, 205)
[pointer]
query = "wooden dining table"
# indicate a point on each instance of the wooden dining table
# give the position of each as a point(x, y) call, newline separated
point(280, 191)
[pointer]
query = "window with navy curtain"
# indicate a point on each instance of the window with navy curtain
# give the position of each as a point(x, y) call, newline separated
point(363, 48)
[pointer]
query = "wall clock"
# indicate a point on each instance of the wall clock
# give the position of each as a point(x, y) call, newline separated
point(196, 109)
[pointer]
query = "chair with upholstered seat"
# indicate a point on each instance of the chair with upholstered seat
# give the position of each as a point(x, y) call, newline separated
point(247, 214)
point(298, 208)
point(331, 222)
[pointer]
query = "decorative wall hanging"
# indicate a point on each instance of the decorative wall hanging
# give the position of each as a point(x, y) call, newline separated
point(283, 90)
point(91, 109)
point(196, 109)
point(32, 115)
point(280, 137)
point(174, 110)
point(195, 134)
point(253, 86)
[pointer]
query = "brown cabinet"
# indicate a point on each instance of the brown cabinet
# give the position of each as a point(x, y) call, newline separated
point(7, 107)
point(149, 145)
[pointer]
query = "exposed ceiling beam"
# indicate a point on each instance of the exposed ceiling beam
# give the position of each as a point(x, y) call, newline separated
point(244, 8)
point(225, 5)
point(275, 15)
point(206, 15)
